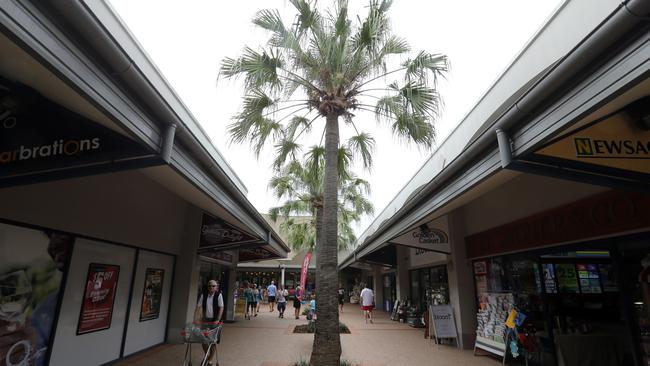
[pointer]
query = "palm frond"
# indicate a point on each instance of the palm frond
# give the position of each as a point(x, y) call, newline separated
point(362, 145)
point(425, 66)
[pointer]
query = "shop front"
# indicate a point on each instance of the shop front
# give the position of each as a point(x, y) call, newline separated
point(577, 277)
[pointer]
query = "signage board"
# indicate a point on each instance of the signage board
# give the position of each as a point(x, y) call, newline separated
point(616, 142)
point(443, 321)
point(255, 254)
point(220, 235)
point(432, 236)
point(39, 137)
point(99, 296)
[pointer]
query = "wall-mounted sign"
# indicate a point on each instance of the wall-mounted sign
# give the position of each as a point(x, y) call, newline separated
point(152, 294)
point(220, 235)
point(222, 256)
point(99, 296)
point(38, 136)
point(431, 236)
point(255, 254)
point(613, 142)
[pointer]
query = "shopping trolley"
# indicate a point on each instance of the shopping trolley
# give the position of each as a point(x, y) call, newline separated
point(204, 333)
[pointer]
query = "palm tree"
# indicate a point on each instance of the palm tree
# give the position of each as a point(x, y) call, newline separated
point(301, 186)
point(324, 66)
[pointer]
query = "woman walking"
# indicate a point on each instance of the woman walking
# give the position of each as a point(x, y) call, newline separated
point(248, 295)
point(296, 302)
point(256, 298)
point(282, 301)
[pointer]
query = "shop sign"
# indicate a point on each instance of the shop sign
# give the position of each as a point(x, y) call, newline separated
point(614, 142)
point(38, 136)
point(152, 294)
point(431, 236)
point(255, 254)
point(219, 235)
point(99, 297)
point(421, 257)
point(596, 216)
point(222, 256)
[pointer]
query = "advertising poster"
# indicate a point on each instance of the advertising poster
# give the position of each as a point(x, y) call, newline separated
point(152, 294)
point(549, 278)
point(99, 295)
point(608, 278)
point(31, 270)
point(566, 278)
point(589, 278)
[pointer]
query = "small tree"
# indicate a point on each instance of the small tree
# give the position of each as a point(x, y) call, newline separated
point(325, 66)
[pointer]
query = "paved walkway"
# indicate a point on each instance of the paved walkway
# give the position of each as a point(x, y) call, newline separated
point(267, 340)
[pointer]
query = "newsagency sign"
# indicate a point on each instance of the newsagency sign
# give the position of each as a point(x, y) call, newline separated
point(432, 236)
point(616, 142)
point(38, 137)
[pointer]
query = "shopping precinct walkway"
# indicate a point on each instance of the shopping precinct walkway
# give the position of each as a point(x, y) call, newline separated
point(266, 340)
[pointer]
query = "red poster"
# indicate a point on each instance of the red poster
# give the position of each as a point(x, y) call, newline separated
point(99, 295)
point(303, 270)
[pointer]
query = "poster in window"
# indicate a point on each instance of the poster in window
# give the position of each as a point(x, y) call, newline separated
point(31, 271)
point(152, 294)
point(566, 278)
point(608, 278)
point(589, 278)
point(98, 299)
point(549, 278)
point(480, 267)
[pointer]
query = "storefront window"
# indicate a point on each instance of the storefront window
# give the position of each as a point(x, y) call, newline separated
point(570, 300)
point(429, 286)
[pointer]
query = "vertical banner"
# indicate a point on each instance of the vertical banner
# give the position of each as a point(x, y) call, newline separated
point(303, 270)
point(152, 293)
point(99, 295)
point(31, 268)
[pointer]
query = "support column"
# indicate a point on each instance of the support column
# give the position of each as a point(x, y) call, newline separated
point(186, 277)
point(402, 274)
point(282, 275)
point(378, 287)
point(230, 296)
point(461, 283)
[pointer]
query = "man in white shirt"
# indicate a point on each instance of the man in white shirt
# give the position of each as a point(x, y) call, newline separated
point(367, 302)
point(210, 309)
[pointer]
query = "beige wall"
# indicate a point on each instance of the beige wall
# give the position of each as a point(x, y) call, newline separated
point(125, 207)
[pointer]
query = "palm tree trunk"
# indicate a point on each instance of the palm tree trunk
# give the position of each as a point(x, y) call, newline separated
point(326, 350)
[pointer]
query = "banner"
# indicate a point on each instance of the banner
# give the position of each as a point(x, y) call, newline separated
point(98, 299)
point(31, 269)
point(152, 293)
point(304, 269)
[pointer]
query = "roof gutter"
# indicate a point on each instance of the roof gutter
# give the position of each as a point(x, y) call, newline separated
point(627, 15)
point(173, 128)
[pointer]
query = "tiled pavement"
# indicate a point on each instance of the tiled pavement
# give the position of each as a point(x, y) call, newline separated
point(267, 340)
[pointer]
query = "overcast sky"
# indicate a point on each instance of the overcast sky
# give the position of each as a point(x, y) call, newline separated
point(188, 39)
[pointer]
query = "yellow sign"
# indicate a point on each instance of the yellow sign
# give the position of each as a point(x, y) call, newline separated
point(614, 142)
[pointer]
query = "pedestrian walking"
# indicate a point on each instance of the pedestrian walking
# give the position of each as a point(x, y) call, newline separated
point(209, 309)
point(248, 295)
point(272, 291)
point(256, 299)
point(282, 301)
point(296, 301)
point(341, 297)
point(367, 302)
